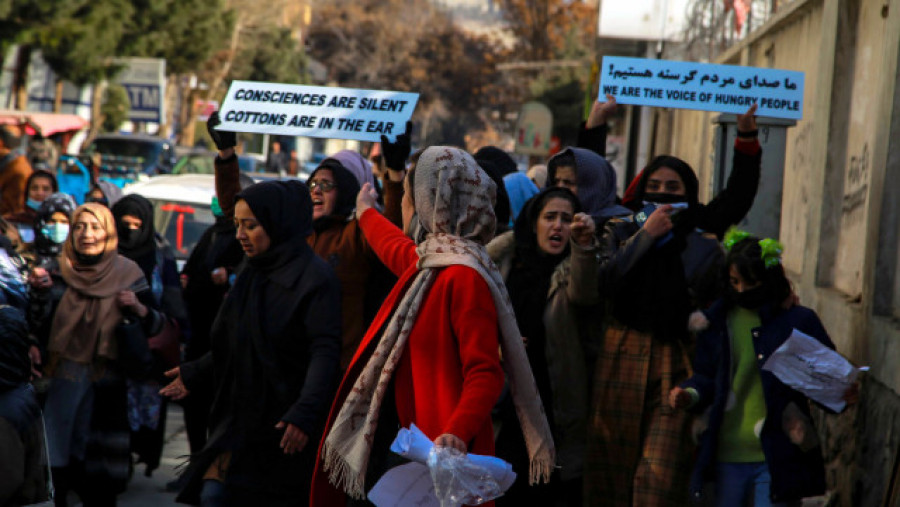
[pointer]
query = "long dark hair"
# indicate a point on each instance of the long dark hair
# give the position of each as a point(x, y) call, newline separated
point(746, 257)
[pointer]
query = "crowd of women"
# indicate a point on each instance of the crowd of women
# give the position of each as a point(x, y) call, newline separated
point(604, 346)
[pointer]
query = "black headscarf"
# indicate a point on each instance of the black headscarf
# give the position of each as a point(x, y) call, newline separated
point(501, 160)
point(138, 245)
point(502, 209)
point(653, 296)
point(347, 188)
point(284, 210)
point(56, 203)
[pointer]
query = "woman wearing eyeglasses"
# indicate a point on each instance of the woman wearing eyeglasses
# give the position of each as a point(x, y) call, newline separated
point(337, 239)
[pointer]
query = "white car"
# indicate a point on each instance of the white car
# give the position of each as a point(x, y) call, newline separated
point(181, 208)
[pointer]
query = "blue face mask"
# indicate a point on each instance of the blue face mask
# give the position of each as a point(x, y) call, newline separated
point(56, 233)
point(35, 205)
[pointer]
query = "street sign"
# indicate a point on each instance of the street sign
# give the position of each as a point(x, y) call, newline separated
point(145, 81)
point(534, 129)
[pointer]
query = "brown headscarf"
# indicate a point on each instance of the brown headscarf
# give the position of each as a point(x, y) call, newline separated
point(454, 203)
point(84, 323)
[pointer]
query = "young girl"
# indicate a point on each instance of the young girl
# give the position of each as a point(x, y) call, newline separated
point(760, 442)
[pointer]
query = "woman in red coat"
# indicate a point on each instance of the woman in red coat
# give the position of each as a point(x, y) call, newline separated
point(431, 355)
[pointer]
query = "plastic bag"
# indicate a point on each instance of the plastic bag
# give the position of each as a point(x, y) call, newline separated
point(458, 481)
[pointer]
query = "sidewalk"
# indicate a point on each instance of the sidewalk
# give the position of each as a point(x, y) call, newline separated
point(151, 491)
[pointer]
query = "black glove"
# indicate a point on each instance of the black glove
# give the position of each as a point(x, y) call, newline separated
point(222, 138)
point(395, 153)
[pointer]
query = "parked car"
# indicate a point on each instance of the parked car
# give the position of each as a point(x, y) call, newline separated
point(195, 161)
point(127, 154)
point(181, 208)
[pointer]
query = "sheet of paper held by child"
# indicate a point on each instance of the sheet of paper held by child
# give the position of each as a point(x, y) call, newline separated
point(822, 374)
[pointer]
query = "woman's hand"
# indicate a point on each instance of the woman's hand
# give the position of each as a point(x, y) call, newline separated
point(294, 440)
point(448, 440)
point(600, 112)
point(395, 153)
point(746, 123)
point(34, 353)
point(176, 389)
point(225, 141)
point(851, 395)
point(659, 223)
point(128, 299)
point(365, 199)
point(679, 398)
point(40, 279)
point(219, 276)
point(583, 229)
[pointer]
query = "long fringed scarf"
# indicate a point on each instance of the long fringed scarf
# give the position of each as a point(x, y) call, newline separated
point(349, 443)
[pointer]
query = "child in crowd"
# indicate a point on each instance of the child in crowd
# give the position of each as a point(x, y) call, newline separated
point(760, 442)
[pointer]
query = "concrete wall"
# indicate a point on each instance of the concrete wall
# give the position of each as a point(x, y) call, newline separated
point(840, 207)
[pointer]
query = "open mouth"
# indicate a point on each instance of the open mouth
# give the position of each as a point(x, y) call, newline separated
point(556, 240)
point(318, 202)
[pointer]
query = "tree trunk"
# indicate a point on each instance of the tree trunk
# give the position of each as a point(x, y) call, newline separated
point(96, 115)
point(170, 105)
point(58, 96)
point(20, 79)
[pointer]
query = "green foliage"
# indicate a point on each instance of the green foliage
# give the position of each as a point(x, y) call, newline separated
point(79, 38)
point(115, 108)
point(80, 48)
point(270, 55)
point(184, 32)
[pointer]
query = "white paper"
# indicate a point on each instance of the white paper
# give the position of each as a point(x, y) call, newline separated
point(404, 485)
point(806, 365)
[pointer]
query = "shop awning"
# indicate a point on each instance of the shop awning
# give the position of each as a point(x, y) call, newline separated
point(45, 124)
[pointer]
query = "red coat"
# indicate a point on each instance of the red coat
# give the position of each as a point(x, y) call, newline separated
point(449, 376)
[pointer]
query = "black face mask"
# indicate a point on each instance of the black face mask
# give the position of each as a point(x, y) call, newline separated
point(751, 299)
point(128, 237)
point(664, 198)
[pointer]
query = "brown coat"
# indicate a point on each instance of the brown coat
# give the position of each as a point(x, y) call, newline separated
point(12, 183)
point(639, 449)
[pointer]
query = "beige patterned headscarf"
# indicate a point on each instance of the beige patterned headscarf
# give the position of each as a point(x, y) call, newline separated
point(454, 203)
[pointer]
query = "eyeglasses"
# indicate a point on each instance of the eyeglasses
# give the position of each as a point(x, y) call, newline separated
point(325, 185)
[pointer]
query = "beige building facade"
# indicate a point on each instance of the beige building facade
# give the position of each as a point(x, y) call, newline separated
point(840, 211)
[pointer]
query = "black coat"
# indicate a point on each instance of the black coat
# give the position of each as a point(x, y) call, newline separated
point(275, 347)
point(216, 248)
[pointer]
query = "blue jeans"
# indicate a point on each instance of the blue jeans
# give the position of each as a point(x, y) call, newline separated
point(738, 483)
point(212, 494)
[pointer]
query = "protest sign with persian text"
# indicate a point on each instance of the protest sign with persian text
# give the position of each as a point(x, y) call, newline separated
point(315, 111)
point(702, 86)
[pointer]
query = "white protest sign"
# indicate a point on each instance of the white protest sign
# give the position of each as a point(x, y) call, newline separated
point(806, 365)
point(315, 111)
point(702, 86)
